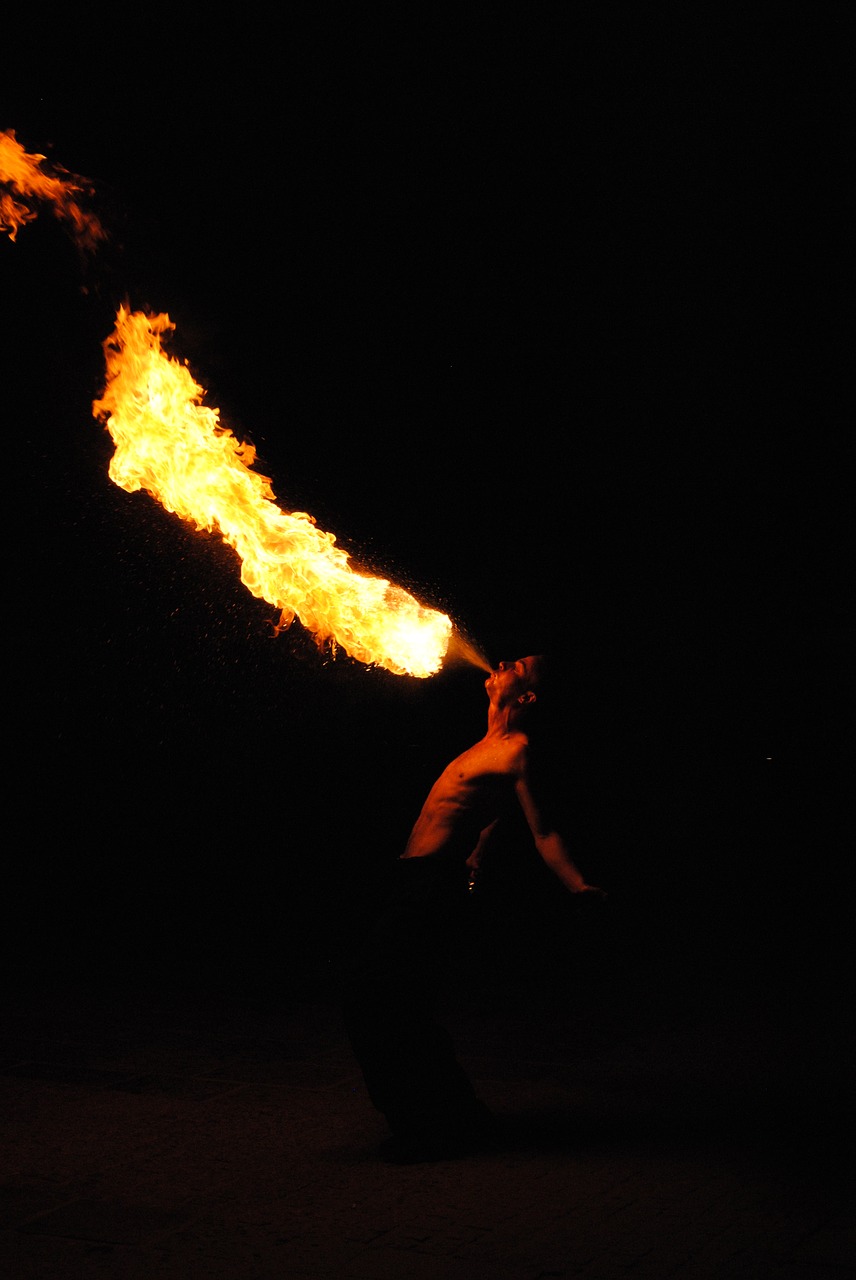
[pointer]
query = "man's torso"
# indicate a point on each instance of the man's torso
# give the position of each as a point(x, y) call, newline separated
point(468, 795)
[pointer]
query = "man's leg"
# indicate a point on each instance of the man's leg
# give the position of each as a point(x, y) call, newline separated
point(407, 1058)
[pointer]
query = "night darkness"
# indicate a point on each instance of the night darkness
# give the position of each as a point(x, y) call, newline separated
point(542, 324)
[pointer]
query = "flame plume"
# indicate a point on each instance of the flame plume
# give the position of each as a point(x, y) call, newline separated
point(174, 447)
point(29, 182)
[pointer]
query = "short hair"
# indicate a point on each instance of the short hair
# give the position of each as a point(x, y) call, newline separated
point(552, 685)
point(539, 680)
point(542, 670)
point(546, 678)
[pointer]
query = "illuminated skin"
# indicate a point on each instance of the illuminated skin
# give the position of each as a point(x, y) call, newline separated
point(463, 806)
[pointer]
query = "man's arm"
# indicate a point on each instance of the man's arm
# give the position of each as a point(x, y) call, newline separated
point(474, 860)
point(551, 845)
point(554, 851)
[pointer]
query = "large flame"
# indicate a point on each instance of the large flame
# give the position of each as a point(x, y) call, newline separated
point(174, 447)
point(29, 182)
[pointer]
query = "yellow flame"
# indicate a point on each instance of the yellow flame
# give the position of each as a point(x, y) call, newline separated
point(174, 447)
point(29, 182)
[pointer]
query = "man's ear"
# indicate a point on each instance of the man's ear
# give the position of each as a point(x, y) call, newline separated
point(528, 696)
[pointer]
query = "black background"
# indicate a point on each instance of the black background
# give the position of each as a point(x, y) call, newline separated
point(543, 320)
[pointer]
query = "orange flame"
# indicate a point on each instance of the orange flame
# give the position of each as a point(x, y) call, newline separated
point(30, 183)
point(174, 447)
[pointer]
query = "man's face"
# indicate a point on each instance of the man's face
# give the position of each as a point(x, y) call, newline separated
point(510, 679)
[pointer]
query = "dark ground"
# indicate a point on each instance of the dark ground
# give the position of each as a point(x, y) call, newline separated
point(672, 1074)
point(553, 340)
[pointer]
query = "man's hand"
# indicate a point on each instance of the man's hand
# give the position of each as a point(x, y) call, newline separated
point(591, 893)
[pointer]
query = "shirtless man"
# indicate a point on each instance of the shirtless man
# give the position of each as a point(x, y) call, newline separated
point(407, 1058)
point(461, 808)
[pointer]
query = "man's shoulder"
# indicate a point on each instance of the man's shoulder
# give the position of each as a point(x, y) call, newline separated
point(518, 750)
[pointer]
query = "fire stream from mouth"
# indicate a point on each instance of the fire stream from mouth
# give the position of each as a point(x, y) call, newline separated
point(175, 448)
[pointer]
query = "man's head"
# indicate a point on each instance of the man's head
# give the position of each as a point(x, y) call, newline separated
point(518, 685)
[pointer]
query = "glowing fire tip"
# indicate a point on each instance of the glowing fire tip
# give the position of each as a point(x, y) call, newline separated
point(171, 445)
point(30, 182)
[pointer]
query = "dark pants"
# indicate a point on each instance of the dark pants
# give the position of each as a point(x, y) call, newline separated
point(397, 962)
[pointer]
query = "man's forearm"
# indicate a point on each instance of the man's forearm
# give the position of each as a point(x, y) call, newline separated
point(553, 850)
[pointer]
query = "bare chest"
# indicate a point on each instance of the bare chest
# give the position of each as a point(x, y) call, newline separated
point(481, 764)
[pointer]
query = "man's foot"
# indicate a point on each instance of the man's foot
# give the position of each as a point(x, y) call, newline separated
point(476, 1137)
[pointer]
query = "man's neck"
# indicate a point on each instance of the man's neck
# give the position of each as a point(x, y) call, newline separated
point(500, 722)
